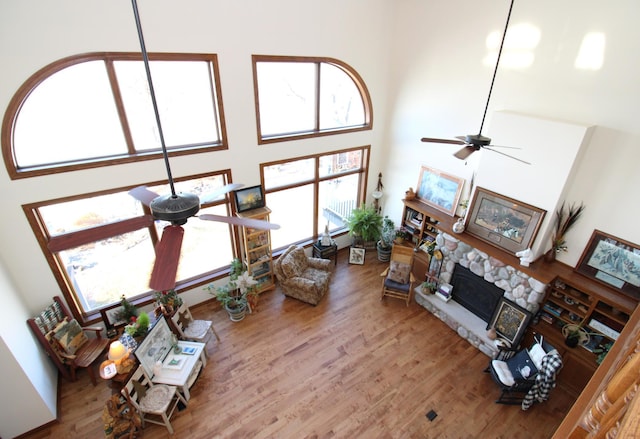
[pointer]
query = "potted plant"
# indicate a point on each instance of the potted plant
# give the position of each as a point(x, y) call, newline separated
point(234, 296)
point(365, 225)
point(168, 301)
point(402, 234)
point(574, 335)
point(138, 327)
point(387, 235)
point(429, 287)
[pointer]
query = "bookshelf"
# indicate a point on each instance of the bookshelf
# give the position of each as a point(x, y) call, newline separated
point(256, 250)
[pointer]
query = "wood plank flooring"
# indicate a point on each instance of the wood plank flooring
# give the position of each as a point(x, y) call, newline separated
point(351, 367)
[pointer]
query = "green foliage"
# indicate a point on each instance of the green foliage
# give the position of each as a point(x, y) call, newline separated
point(388, 232)
point(128, 310)
point(365, 223)
point(169, 298)
point(140, 326)
point(234, 294)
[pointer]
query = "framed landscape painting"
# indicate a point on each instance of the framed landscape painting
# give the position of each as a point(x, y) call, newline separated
point(439, 189)
point(613, 262)
point(502, 221)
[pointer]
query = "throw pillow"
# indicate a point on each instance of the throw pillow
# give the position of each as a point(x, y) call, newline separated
point(537, 353)
point(70, 336)
point(399, 272)
point(294, 264)
point(521, 366)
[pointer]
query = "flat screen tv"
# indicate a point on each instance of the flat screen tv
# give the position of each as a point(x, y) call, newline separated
point(249, 198)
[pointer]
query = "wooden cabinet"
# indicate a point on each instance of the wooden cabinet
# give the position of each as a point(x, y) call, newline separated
point(574, 299)
point(256, 249)
point(417, 220)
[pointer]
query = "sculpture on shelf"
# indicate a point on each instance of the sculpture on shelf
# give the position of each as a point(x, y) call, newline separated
point(526, 257)
point(410, 194)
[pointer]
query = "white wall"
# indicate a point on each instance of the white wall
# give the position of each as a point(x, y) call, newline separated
point(439, 88)
point(422, 62)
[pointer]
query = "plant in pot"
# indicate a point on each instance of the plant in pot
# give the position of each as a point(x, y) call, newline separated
point(574, 335)
point(234, 296)
point(429, 287)
point(365, 225)
point(387, 235)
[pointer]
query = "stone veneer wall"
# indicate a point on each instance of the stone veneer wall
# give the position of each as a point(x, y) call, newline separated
point(518, 287)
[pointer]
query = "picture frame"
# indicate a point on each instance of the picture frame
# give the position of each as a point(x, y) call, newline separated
point(502, 221)
point(356, 255)
point(510, 321)
point(155, 346)
point(112, 320)
point(613, 262)
point(439, 190)
point(249, 198)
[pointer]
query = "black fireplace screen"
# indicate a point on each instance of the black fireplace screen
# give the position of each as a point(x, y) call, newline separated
point(474, 293)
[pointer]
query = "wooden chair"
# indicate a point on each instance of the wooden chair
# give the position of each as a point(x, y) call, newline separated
point(66, 342)
point(397, 279)
point(190, 329)
point(155, 403)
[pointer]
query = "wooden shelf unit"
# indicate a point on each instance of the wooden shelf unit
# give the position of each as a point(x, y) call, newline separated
point(256, 250)
point(579, 300)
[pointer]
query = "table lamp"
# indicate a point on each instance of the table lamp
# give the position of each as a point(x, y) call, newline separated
point(118, 352)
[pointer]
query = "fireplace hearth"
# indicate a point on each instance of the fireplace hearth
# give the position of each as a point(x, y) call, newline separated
point(474, 293)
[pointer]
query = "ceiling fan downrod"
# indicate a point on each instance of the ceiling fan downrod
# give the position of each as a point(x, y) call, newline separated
point(495, 71)
point(176, 208)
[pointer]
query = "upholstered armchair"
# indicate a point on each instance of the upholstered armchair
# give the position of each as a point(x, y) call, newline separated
point(302, 277)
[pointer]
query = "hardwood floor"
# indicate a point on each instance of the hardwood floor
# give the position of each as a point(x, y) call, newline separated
point(351, 367)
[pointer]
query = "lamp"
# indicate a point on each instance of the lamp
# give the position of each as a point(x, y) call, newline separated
point(117, 352)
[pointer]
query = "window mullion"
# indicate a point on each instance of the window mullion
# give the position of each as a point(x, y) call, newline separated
point(317, 106)
point(117, 97)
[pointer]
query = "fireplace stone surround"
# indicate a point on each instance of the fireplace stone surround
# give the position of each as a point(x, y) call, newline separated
point(517, 286)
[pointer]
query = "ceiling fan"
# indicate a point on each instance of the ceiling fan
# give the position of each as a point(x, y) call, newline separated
point(475, 142)
point(176, 208)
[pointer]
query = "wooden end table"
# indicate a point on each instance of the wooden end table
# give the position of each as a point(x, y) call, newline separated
point(325, 252)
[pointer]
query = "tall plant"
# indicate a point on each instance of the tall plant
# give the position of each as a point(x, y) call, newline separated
point(365, 223)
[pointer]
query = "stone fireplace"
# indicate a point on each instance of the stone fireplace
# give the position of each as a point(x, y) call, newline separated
point(493, 280)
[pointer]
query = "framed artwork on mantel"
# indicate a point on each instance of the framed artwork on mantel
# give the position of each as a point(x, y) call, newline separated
point(613, 262)
point(502, 221)
point(439, 189)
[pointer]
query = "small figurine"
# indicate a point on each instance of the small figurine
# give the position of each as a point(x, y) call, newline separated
point(526, 257)
point(410, 194)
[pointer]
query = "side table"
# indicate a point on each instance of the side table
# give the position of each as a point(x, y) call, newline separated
point(325, 252)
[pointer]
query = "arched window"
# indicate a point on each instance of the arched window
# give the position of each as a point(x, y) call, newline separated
point(299, 97)
point(95, 110)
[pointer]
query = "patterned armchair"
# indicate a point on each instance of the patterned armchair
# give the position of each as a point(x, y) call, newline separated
point(301, 277)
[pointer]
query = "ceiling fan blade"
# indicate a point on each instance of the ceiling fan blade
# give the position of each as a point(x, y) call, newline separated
point(248, 222)
point(465, 152)
point(451, 141)
point(502, 146)
point(142, 194)
point(507, 155)
point(163, 276)
point(212, 196)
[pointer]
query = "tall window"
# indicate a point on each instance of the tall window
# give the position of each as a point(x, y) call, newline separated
point(102, 245)
point(95, 110)
point(305, 97)
point(307, 194)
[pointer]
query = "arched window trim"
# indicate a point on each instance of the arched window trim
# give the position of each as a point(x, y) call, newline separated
point(18, 99)
point(346, 68)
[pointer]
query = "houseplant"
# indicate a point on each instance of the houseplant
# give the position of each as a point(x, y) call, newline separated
point(234, 296)
point(168, 301)
point(564, 221)
point(574, 335)
point(139, 326)
point(365, 225)
point(387, 235)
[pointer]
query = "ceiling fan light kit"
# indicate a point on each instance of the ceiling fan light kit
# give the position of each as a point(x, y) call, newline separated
point(475, 142)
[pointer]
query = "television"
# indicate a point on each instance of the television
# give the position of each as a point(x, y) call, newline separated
point(249, 198)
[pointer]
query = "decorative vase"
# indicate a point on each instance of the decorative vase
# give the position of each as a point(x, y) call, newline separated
point(550, 256)
point(458, 226)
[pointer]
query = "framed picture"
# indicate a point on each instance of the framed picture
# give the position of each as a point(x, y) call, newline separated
point(613, 262)
point(439, 190)
point(249, 198)
point(155, 346)
point(502, 221)
point(112, 318)
point(356, 255)
point(509, 320)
